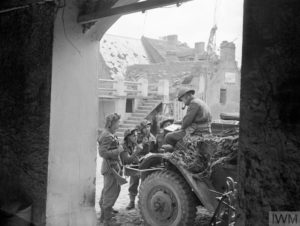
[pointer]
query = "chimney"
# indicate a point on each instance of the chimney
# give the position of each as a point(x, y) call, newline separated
point(199, 48)
point(227, 52)
point(172, 39)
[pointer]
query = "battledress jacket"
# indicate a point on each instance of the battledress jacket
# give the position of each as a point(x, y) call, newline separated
point(127, 156)
point(149, 145)
point(197, 113)
point(108, 149)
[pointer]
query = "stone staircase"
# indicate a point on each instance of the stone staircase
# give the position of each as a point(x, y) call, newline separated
point(144, 108)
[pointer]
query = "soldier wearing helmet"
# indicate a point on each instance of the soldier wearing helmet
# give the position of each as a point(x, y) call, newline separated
point(197, 118)
point(161, 135)
point(109, 150)
point(145, 137)
point(130, 156)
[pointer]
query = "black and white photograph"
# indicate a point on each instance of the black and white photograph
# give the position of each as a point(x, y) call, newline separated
point(149, 113)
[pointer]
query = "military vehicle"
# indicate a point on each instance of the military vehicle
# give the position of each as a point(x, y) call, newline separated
point(170, 192)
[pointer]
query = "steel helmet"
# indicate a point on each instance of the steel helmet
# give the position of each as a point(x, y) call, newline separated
point(184, 91)
point(144, 123)
point(129, 132)
point(165, 121)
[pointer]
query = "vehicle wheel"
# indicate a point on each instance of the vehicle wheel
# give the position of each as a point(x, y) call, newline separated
point(165, 199)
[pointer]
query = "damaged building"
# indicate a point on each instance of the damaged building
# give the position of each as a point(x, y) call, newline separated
point(49, 56)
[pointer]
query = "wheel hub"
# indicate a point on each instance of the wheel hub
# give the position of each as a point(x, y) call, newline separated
point(162, 205)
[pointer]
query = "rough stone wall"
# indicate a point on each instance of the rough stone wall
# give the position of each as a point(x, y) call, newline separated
point(25, 80)
point(269, 172)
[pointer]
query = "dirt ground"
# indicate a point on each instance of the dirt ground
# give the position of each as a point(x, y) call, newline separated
point(132, 217)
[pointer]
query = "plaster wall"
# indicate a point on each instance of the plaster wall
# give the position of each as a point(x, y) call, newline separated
point(105, 107)
point(74, 116)
point(215, 83)
point(73, 123)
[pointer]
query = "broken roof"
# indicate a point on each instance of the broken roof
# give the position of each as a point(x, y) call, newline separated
point(120, 52)
point(159, 49)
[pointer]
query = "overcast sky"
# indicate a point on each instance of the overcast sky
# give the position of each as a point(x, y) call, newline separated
point(191, 21)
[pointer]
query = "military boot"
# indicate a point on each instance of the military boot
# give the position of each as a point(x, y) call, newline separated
point(108, 218)
point(113, 211)
point(131, 204)
point(101, 213)
point(101, 219)
point(111, 222)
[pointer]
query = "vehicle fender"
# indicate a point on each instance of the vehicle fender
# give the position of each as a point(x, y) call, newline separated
point(201, 187)
point(149, 161)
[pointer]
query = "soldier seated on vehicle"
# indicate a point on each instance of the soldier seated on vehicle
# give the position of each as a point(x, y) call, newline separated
point(130, 156)
point(145, 137)
point(197, 118)
point(160, 136)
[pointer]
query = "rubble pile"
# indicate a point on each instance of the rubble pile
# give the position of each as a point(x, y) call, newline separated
point(202, 153)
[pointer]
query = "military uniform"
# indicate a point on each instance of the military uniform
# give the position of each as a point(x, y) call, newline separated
point(161, 136)
point(197, 118)
point(128, 157)
point(148, 142)
point(108, 150)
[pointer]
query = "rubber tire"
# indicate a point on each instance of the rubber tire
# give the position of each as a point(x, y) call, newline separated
point(180, 189)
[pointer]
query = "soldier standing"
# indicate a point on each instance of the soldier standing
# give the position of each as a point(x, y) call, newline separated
point(145, 137)
point(109, 150)
point(130, 156)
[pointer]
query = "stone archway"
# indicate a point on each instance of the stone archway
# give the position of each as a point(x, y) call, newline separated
point(269, 111)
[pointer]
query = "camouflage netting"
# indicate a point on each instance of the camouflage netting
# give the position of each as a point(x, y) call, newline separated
point(200, 154)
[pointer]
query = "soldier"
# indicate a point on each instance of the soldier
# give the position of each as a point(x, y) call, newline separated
point(145, 137)
point(160, 136)
point(130, 156)
point(109, 150)
point(197, 118)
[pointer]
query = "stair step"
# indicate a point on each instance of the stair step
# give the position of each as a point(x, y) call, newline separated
point(142, 111)
point(119, 135)
point(123, 126)
point(128, 121)
point(128, 124)
point(139, 115)
point(152, 101)
point(122, 129)
point(152, 105)
point(142, 107)
point(138, 119)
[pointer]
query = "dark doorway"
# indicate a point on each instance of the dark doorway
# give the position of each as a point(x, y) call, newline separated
point(129, 105)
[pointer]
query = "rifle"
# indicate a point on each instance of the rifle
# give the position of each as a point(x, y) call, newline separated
point(120, 180)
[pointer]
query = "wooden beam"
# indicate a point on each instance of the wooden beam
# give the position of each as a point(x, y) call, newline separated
point(126, 9)
point(10, 5)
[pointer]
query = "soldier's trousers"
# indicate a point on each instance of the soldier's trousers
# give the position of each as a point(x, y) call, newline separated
point(133, 186)
point(173, 137)
point(109, 195)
